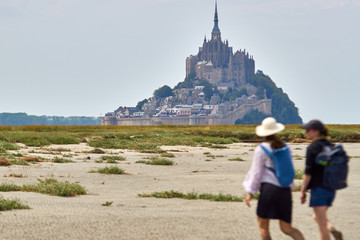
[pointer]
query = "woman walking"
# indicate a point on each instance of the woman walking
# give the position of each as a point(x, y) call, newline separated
point(275, 201)
point(321, 198)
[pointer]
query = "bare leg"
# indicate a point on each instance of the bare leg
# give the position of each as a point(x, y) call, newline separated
point(321, 219)
point(264, 228)
point(330, 227)
point(291, 231)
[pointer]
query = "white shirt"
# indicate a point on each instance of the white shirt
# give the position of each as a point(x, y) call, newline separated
point(259, 173)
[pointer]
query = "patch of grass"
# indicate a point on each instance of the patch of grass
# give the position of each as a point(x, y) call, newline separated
point(7, 145)
point(194, 196)
point(298, 157)
point(9, 187)
point(66, 156)
point(169, 155)
point(55, 188)
point(107, 204)
point(99, 161)
point(156, 161)
point(117, 158)
point(109, 170)
point(299, 173)
point(19, 162)
point(61, 160)
point(9, 204)
point(239, 159)
point(97, 151)
point(47, 186)
point(297, 148)
point(219, 155)
point(208, 160)
point(16, 175)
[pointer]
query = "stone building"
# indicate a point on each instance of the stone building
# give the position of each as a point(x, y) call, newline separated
point(217, 63)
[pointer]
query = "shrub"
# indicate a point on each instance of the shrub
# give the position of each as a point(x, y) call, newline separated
point(9, 204)
point(169, 155)
point(62, 160)
point(156, 161)
point(299, 173)
point(47, 186)
point(109, 170)
point(194, 196)
point(118, 158)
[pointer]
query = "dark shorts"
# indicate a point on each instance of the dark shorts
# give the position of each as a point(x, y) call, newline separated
point(321, 197)
point(274, 203)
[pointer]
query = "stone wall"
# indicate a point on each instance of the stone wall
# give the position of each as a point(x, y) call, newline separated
point(229, 119)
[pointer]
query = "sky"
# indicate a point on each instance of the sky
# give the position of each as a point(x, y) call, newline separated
point(88, 57)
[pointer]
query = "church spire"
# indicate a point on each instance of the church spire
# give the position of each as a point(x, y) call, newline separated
point(216, 31)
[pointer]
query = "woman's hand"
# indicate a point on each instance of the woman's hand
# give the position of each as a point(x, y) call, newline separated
point(302, 197)
point(248, 199)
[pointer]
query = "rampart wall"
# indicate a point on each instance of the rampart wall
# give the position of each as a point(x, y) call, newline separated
point(229, 118)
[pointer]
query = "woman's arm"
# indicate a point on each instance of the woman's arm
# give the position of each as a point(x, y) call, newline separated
point(305, 183)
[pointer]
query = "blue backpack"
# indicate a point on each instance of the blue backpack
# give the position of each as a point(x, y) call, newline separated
point(335, 162)
point(283, 166)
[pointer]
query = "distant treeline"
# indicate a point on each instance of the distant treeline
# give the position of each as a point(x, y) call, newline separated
point(17, 119)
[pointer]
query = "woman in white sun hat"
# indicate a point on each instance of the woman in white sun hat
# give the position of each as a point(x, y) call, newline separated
point(275, 201)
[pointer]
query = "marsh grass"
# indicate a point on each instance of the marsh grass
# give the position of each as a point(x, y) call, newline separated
point(194, 196)
point(169, 155)
point(62, 160)
point(15, 175)
point(9, 204)
point(97, 151)
point(299, 173)
point(19, 162)
point(113, 158)
point(239, 159)
point(109, 170)
point(298, 157)
point(48, 186)
point(150, 138)
point(156, 161)
point(107, 204)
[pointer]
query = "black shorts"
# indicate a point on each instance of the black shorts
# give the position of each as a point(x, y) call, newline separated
point(274, 202)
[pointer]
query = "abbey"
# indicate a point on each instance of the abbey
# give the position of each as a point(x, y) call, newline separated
point(217, 63)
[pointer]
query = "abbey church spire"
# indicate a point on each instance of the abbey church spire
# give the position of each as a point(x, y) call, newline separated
point(216, 31)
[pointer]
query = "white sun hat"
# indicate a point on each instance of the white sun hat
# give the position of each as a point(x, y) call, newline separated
point(268, 127)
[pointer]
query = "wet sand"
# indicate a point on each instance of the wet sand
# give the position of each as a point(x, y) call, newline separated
point(132, 217)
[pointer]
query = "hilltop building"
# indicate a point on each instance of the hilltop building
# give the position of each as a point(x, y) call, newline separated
point(216, 62)
point(189, 105)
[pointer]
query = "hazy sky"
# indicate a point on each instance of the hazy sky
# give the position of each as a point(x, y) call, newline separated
point(88, 57)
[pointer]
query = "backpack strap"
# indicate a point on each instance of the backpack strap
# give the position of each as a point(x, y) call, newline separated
point(271, 155)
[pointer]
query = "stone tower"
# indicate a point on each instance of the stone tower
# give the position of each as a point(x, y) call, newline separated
point(216, 62)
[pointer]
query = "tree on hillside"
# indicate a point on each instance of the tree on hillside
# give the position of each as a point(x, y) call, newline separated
point(282, 108)
point(163, 92)
point(141, 103)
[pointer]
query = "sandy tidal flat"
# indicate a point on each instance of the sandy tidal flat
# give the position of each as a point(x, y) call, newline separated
point(133, 217)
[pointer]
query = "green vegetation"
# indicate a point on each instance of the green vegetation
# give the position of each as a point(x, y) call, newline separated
point(47, 186)
point(152, 137)
point(282, 108)
point(19, 162)
point(163, 92)
point(16, 119)
point(62, 160)
point(107, 204)
point(169, 155)
point(237, 159)
point(15, 175)
point(109, 170)
point(195, 196)
point(299, 173)
point(156, 161)
point(113, 158)
point(9, 204)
